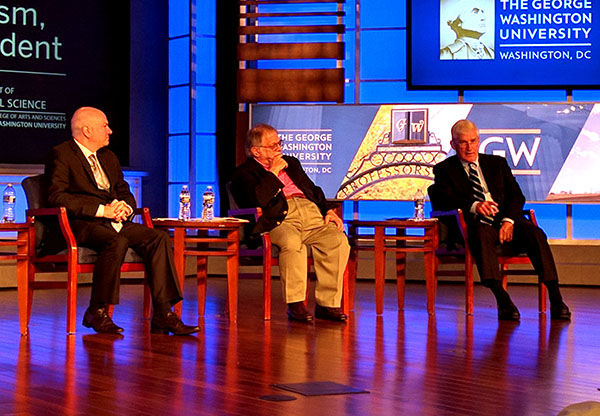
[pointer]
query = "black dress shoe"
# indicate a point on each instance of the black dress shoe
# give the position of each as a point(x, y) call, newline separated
point(98, 319)
point(171, 323)
point(560, 312)
point(508, 312)
point(297, 312)
point(331, 314)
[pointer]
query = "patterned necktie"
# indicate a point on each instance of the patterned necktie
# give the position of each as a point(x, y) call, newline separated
point(478, 192)
point(101, 181)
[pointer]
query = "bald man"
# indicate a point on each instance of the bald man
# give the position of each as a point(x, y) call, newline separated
point(86, 178)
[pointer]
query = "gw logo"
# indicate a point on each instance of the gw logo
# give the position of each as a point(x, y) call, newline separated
point(526, 150)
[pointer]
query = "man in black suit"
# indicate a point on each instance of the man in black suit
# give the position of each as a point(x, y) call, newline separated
point(295, 214)
point(86, 178)
point(484, 187)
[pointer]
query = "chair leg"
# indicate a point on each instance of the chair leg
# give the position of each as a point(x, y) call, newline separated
point(468, 285)
point(266, 276)
point(147, 311)
point(542, 297)
point(71, 297)
point(346, 299)
point(351, 270)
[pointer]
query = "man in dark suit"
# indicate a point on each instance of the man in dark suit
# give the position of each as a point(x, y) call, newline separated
point(295, 214)
point(485, 189)
point(86, 178)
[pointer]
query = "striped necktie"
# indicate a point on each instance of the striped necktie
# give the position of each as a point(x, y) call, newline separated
point(101, 181)
point(478, 192)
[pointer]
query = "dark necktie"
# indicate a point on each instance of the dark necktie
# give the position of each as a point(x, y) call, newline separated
point(478, 191)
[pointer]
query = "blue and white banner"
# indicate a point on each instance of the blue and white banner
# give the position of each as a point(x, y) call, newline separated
point(387, 152)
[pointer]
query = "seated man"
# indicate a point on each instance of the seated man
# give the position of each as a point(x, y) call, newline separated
point(485, 189)
point(294, 213)
point(86, 178)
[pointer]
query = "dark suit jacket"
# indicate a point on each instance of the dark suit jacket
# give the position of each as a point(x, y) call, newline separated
point(73, 186)
point(253, 186)
point(452, 190)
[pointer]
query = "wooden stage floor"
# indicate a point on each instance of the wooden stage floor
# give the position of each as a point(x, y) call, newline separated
point(410, 363)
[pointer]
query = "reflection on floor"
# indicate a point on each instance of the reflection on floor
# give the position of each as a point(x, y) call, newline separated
point(411, 363)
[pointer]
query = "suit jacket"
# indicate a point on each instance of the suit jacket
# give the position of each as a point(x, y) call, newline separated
point(253, 186)
point(73, 186)
point(452, 189)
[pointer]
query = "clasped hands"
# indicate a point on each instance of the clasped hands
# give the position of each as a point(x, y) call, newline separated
point(489, 209)
point(117, 211)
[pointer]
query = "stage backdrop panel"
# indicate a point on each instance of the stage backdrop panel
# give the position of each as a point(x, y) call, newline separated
point(387, 152)
point(54, 58)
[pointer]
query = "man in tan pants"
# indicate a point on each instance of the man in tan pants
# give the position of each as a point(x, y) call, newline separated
point(294, 211)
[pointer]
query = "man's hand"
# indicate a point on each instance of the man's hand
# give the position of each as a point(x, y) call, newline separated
point(277, 165)
point(117, 211)
point(331, 216)
point(487, 208)
point(506, 232)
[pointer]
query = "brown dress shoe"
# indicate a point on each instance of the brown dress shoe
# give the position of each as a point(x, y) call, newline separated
point(171, 323)
point(297, 312)
point(98, 319)
point(331, 314)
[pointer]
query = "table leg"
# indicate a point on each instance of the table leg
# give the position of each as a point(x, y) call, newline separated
point(201, 275)
point(379, 257)
point(232, 274)
point(23, 284)
point(400, 267)
point(179, 258)
point(430, 281)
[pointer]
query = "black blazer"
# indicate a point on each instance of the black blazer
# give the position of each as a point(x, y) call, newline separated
point(452, 190)
point(253, 186)
point(73, 186)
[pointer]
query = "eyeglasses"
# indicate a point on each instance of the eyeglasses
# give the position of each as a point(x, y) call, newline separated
point(274, 146)
point(465, 144)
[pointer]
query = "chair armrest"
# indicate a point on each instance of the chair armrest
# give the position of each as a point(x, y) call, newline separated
point(63, 221)
point(460, 222)
point(530, 215)
point(145, 214)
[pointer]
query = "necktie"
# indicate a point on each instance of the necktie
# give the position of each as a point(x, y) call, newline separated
point(478, 191)
point(101, 181)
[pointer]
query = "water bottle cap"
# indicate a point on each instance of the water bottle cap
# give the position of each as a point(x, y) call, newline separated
point(209, 188)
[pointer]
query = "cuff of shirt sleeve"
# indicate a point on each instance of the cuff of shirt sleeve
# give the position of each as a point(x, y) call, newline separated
point(508, 220)
point(100, 211)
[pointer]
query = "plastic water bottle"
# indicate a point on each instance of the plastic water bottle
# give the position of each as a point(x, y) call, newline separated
point(8, 204)
point(419, 199)
point(208, 203)
point(185, 205)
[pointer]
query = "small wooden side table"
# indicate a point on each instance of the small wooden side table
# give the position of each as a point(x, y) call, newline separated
point(22, 258)
point(377, 242)
point(202, 250)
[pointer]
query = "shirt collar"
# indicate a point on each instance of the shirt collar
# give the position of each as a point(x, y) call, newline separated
point(86, 152)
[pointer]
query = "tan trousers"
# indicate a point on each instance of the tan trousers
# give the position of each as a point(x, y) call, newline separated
point(304, 226)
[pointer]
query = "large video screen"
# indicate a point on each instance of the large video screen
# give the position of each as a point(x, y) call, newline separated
point(387, 152)
point(54, 58)
point(499, 43)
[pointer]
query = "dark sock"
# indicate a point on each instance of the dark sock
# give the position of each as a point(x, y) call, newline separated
point(502, 296)
point(554, 292)
point(94, 306)
point(162, 309)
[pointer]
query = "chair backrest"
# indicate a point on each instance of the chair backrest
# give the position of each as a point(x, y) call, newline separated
point(48, 237)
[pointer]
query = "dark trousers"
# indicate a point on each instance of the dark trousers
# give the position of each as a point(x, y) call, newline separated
point(527, 238)
point(152, 245)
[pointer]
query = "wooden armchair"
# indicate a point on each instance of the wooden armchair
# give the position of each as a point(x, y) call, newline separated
point(454, 249)
point(53, 249)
